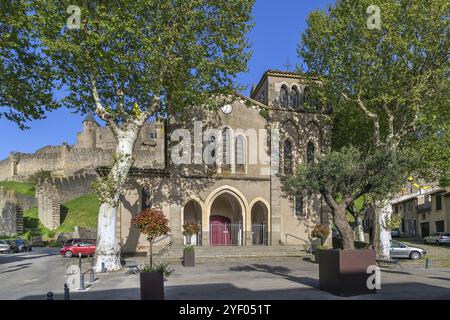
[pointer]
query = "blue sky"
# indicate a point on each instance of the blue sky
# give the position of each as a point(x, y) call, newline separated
point(274, 40)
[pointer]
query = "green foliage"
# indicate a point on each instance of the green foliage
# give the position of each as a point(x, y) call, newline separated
point(189, 248)
point(322, 247)
point(24, 188)
point(160, 267)
point(337, 244)
point(264, 113)
point(26, 82)
point(394, 222)
point(387, 86)
point(180, 51)
point(39, 175)
point(349, 172)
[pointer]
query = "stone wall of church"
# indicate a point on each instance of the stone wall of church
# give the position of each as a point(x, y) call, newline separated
point(11, 214)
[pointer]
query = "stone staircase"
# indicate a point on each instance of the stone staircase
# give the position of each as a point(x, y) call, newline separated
point(176, 252)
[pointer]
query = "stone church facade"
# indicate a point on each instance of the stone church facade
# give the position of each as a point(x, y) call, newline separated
point(236, 201)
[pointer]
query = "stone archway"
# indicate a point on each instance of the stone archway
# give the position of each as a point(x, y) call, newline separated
point(260, 225)
point(226, 221)
point(192, 214)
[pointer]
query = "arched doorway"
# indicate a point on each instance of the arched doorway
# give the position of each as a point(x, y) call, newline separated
point(225, 223)
point(192, 214)
point(260, 225)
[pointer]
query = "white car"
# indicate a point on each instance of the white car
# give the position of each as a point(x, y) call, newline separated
point(402, 250)
point(437, 238)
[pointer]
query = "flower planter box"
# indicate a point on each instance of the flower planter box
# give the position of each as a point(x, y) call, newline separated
point(344, 272)
point(152, 286)
point(188, 258)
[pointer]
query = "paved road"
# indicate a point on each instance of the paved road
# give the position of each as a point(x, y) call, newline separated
point(31, 275)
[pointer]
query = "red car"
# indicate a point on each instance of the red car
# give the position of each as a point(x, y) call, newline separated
point(86, 248)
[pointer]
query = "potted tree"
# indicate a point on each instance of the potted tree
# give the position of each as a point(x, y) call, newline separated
point(342, 177)
point(320, 232)
point(189, 230)
point(153, 224)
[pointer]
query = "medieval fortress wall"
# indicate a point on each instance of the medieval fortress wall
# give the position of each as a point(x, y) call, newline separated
point(73, 170)
point(11, 219)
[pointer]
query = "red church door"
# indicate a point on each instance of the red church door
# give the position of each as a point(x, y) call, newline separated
point(220, 231)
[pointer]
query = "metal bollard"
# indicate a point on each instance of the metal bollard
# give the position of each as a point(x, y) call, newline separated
point(66, 292)
point(91, 271)
point(81, 282)
point(427, 263)
point(103, 267)
point(50, 295)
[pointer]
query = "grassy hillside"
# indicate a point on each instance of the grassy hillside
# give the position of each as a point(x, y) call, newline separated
point(20, 187)
point(81, 212)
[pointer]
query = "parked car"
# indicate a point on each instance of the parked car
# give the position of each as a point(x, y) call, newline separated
point(438, 238)
point(12, 243)
point(5, 247)
point(396, 233)
point(73, 241)
point(402, 250)
point(86, 248)
point(22, 245)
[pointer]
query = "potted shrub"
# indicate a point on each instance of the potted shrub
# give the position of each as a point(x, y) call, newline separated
point(153, 224)
point(189, 251)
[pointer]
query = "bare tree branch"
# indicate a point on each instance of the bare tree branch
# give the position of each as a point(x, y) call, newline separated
point(101, 111)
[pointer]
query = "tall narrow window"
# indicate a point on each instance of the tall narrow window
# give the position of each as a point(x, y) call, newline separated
point(146, 198)
point(240, 154)
point(284, 96)
point(298, 204)
point(287, 152)
point(226, 150)
point(305, 95)
point(294, 98)
point(310, 152)
point(438, 202)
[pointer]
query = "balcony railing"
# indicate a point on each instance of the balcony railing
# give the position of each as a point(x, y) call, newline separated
point(424, 207)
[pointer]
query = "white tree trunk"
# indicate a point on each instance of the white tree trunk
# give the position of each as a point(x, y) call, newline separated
point(359, 230)
point(108, 249)
point(383, 214)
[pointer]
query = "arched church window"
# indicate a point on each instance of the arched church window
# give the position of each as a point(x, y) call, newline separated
point(240, 154)
point(287, 161)
point(294, 98)
point(284, 96)
point(226, 149)
point(310, 152)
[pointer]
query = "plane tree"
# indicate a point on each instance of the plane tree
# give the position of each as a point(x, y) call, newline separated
point(128, 61)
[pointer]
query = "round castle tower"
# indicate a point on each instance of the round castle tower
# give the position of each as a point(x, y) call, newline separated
point(88, 138)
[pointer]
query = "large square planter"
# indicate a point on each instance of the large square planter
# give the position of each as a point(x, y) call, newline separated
point(152, 286)
point(188, 258)
point(344, 272)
